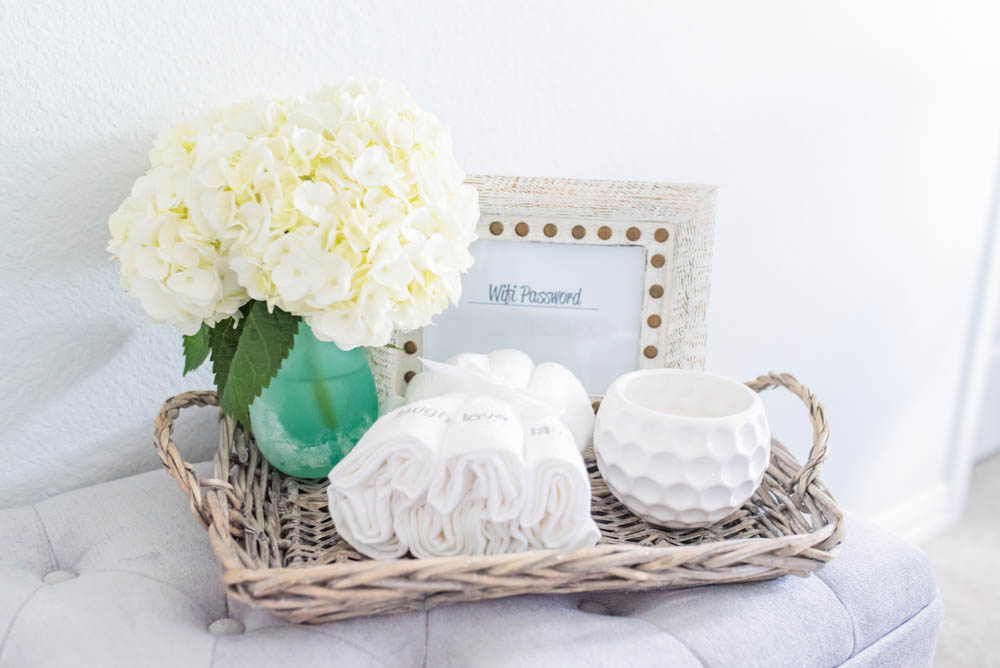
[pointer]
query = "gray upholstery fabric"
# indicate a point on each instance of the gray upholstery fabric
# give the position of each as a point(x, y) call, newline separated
point(120, 574)
point(910, 644)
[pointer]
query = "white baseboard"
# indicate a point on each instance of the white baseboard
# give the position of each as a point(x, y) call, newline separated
point(985, 452)
point(921, 515)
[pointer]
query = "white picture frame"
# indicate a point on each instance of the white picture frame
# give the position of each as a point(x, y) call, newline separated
point(672, 223)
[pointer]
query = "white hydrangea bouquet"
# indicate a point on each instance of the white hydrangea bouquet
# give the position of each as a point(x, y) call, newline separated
point(345, 208)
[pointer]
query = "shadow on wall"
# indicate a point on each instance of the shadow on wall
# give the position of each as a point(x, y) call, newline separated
point(127, 451)
point(60, 272)
point(60, 201)
point(84, 371)
point(45, 362)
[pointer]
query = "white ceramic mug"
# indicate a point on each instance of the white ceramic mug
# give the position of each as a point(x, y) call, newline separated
point(681, 448)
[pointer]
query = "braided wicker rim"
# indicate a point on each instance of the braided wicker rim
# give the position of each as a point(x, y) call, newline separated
point(279, 549)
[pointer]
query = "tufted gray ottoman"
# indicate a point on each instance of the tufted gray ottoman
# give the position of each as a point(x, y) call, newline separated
point(120, 574)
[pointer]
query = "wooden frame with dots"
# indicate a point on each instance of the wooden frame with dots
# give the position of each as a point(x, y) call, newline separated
point(672, 222)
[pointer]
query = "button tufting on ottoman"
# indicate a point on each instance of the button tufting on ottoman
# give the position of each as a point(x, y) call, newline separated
point(55, 577)
point(226, 626)
point(121, 574)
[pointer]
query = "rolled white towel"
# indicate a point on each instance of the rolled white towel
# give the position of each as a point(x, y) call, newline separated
point(462, 532)
point(388, 469)
point(409, 438)
point(556, 514)
point(505, 537)
point(431, 533)
point(364, 517)
point(481, 458)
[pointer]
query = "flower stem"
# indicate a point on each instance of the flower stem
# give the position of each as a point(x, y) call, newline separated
point(324, 402)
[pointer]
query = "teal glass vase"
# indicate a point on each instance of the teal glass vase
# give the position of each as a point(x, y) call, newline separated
point(316, 408)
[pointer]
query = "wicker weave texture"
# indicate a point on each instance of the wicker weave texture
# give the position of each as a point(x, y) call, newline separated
point(279, 549)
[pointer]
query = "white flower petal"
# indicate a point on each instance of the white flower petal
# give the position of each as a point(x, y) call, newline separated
point(314, 199)
point(396, 274)
point(199, 285)
point(337, 280)
point(150, 265)
point(342, 324)
point(372, 168)
point(185, 255)
point(306, 142)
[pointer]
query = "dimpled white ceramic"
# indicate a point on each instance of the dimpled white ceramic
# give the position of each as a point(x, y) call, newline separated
point(681, 448)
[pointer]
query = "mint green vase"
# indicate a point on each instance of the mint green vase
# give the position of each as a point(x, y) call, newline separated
point(317, 407)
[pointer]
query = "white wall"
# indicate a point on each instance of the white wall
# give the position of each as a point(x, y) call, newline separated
point(854, 147)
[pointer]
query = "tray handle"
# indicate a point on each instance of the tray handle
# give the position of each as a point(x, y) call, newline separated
point(798, 483)
point(167, 450)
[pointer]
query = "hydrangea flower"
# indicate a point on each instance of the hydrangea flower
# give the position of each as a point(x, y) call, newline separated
point(345, 207)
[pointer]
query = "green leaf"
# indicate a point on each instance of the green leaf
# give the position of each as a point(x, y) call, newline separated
point(196, 348)
point(263, 345)
point(225, 338)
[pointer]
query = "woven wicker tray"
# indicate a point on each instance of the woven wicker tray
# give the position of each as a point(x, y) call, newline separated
point(279, 550)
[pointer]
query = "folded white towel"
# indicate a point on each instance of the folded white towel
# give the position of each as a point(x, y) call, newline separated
point(389, 469)
point(462, 532)
point(482, 458)
point(556, 512)
point(471, 472)
point(364, 517)
point(506, 537)
point(431, 533)
point(411, 435)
